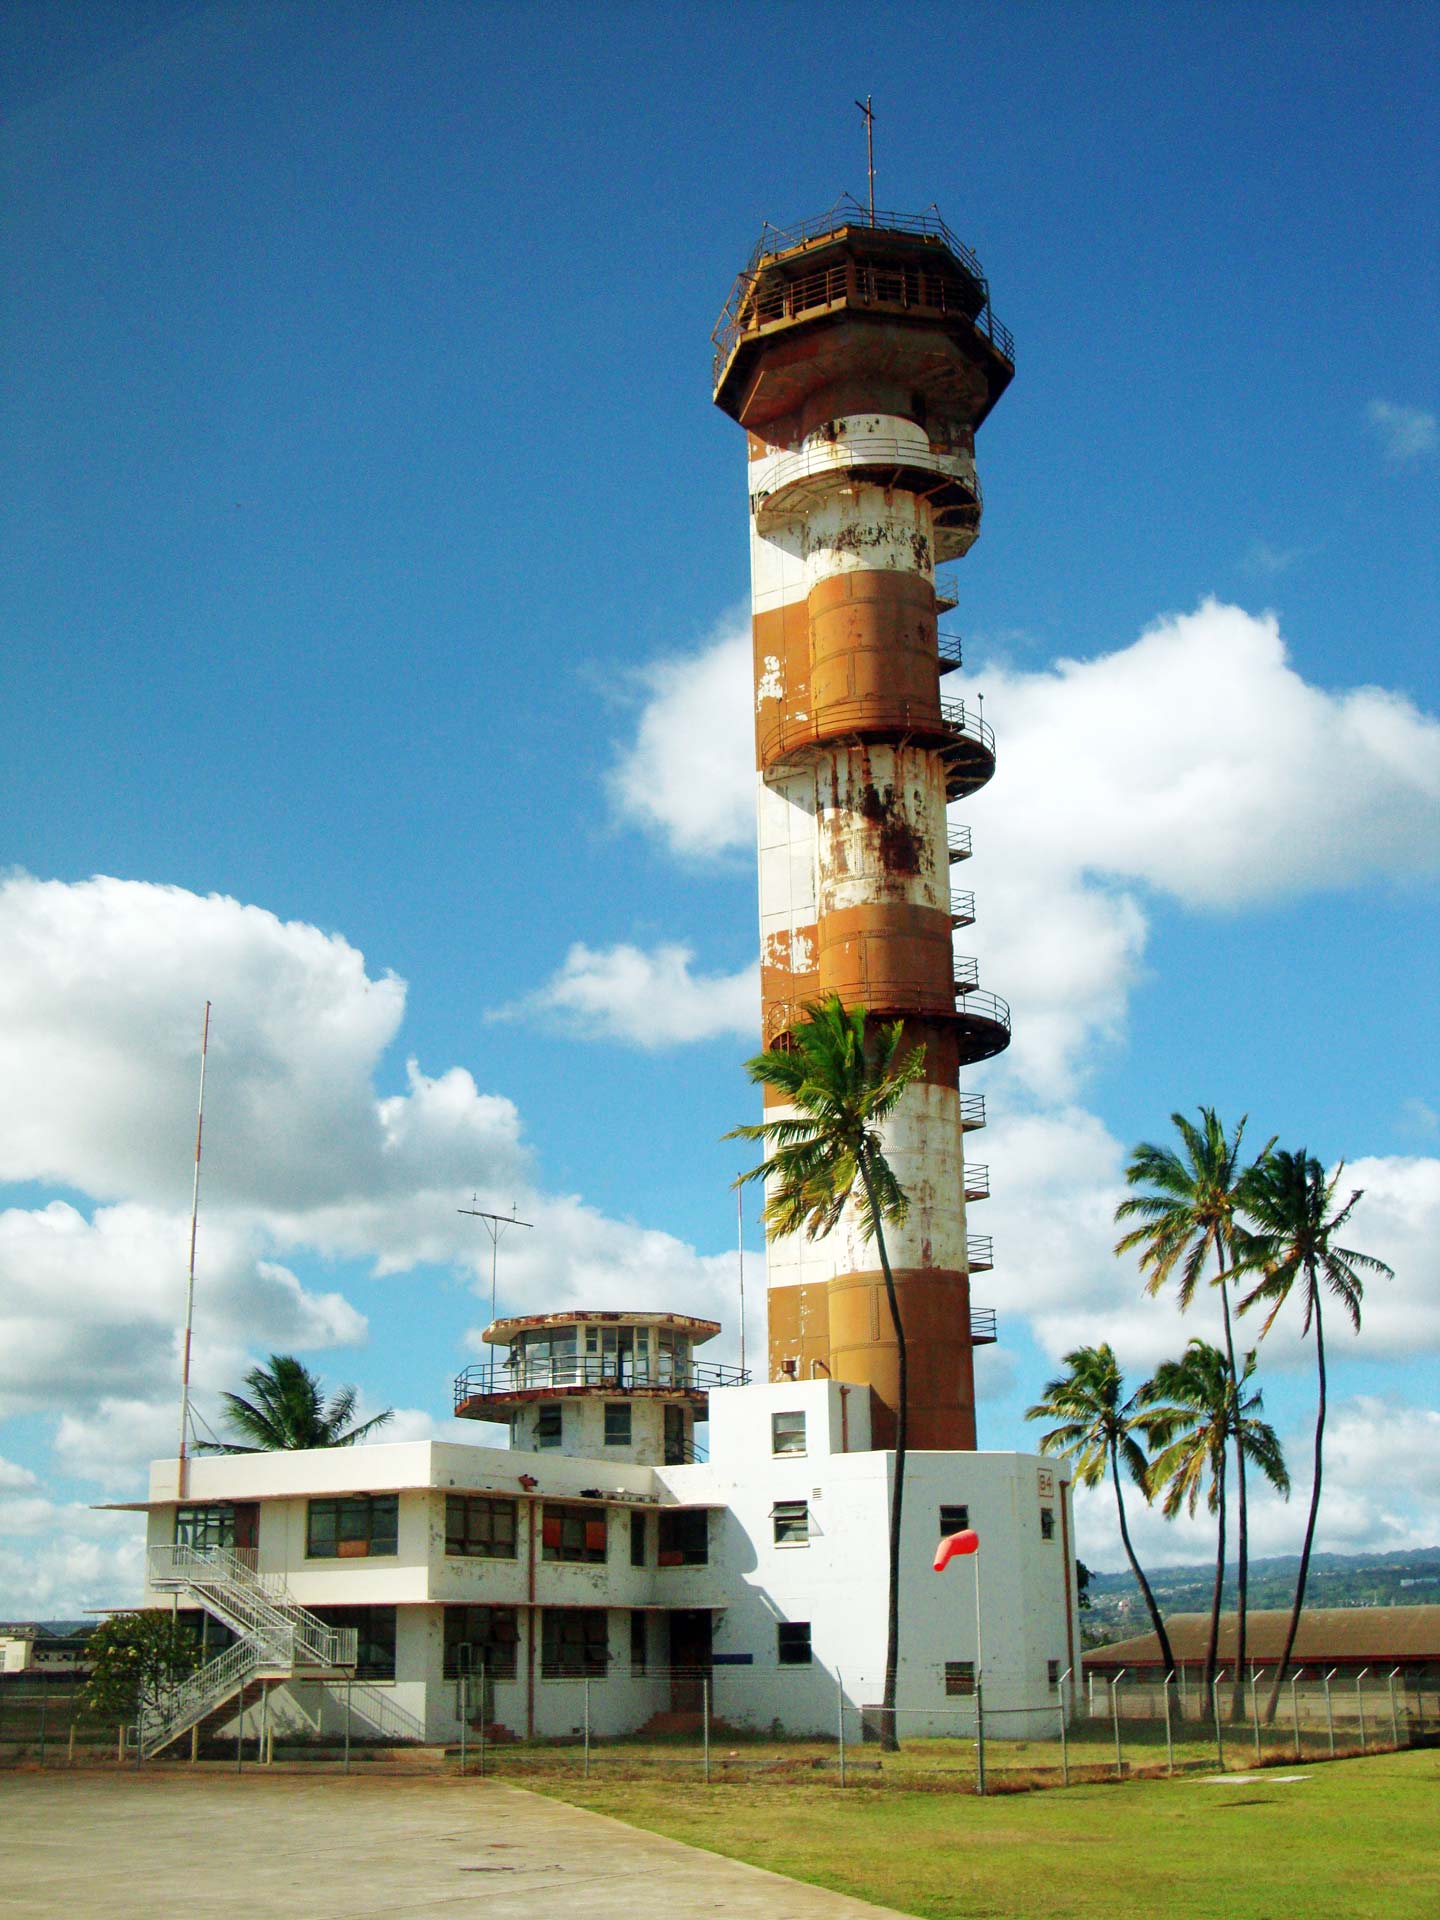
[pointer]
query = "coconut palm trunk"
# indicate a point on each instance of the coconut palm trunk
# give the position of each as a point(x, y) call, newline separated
point(1212, 1646)
point(1242, 1512)
point(1304, 1572)
point(1146, 1590)
point(889, 1737)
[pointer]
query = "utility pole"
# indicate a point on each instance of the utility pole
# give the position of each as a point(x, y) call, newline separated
point(495, 1225)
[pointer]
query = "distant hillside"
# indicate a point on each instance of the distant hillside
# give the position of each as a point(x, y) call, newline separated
point(1336, 1580)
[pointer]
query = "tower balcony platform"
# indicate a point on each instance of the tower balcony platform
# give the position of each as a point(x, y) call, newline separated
point(792, 485)
point(979, 1252)
point(977, 1182)
point(950, 652)
point(490, 1389)
point(972, 1112)
point(839, 292)
point(983, 1330)
point(962, 908)
point(957, 844)
point(969, 750)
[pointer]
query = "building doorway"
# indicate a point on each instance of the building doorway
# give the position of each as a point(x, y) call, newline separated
point(690, 1637)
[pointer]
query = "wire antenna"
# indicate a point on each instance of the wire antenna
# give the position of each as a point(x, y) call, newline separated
point(869, 113)
point(190, 1281)
point(495, 1225)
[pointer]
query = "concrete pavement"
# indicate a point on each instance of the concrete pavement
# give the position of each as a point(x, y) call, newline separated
point(209, 1846)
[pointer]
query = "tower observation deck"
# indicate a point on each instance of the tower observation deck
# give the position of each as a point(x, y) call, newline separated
point(860, 358)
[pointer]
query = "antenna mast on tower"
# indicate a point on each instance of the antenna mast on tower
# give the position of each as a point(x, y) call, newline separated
point(495, 1225)
point(190, 1282)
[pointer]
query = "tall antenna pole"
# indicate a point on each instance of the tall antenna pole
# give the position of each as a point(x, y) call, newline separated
point(495, 1225)
point(190, 1281)
point(869, 114)
point(740, 1236)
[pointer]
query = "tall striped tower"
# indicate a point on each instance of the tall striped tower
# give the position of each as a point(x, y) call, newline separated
point(860, 356)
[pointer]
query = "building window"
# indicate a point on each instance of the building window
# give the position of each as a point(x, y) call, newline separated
point(617, 1423)
point(572, 1533)
point(638, 1528)
point(787, 1433)
point(550, 1425)
point(359, 1527)
point(684, 1539)
point(791, 1519)
point(1047, 1523)
point(677, 1447)
point(479, 1528)
point(960, 1677)
point(792, 1643)
point(205, 1526)
point(573, 1644)
point(953, 1520)
point(480, 1639)
point(638, 1634)
point(1052, 1672)
point(375, 1636)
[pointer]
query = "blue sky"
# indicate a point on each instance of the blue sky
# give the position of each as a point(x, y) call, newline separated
point(370, 534)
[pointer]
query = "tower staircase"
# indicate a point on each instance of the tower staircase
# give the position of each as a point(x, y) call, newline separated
point(275, 1639)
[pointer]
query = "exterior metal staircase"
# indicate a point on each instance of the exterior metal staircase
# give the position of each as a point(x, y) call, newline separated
point(275, 1638)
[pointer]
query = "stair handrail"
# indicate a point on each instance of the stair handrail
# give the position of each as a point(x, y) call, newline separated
point(309, 1636)
point(195, 1696)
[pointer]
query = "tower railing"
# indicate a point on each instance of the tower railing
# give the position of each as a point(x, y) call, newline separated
point(979, 1252)
point(967, 722)
point(962, 908)
point(957, 844)
point(950, 652)
point(489, 1377)
point(753, 303)
point(972, 1112)
point(977, 1181)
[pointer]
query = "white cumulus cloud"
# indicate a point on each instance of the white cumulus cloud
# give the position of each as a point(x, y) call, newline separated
point(650, 998)
point(1404, 432)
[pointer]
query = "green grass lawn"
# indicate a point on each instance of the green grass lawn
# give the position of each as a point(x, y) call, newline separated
point(1354, 1840)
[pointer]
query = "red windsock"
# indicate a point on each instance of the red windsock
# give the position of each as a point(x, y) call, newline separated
point(966, 1541)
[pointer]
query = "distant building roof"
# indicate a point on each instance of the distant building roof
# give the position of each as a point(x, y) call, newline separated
point(1353, 1635)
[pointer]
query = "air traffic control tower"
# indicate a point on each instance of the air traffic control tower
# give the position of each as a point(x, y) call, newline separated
point(860, 356)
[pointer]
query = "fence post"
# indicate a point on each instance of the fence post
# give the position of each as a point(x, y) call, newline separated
point(587, 1726)
point(484, 1710)
point(1360, 1704)
point(1064, 1736)
point(464, 1714)
point(840, 1724)
point(1255, 1708)
point(1169, 1734)
point(979, 1736)
point(44, 1703)
point(1394, 1710)
point(705, 1722)
point(348, 1685)
point(1215, 1711)
point(1330, 1711)
point(70, 1750)
point(264, 1747)
point(1295, 1711)
point(1115, 1719)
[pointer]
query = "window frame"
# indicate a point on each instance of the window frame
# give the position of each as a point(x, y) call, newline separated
point(591, 1633)
point(959, 1679)
point(952, 1507)
point(788, 1452)
point(790, 1523)
point(474, 1546)
point(559, 1545)
point(683, 1537)
point(350, 1540)
point(549, 1413)
point(614, 1409)
point(798, 1649)
point(1047, 1523)
point(500, 1659)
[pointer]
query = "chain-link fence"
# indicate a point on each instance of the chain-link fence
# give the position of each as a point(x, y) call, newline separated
point(1101, 1729)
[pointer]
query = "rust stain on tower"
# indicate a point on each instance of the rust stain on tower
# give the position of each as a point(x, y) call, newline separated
point(860, 357)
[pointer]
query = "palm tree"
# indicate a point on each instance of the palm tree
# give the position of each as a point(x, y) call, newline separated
point(1292, 1244)
point(1195, 1413)
point(1097, 1431)
point(289, 1410)
point(841, 1081)
point(1187, 1217)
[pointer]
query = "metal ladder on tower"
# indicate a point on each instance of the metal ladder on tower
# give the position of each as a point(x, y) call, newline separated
point(276, 1638)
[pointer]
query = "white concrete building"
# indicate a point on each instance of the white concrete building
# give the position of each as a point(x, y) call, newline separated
point(599, 1550)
